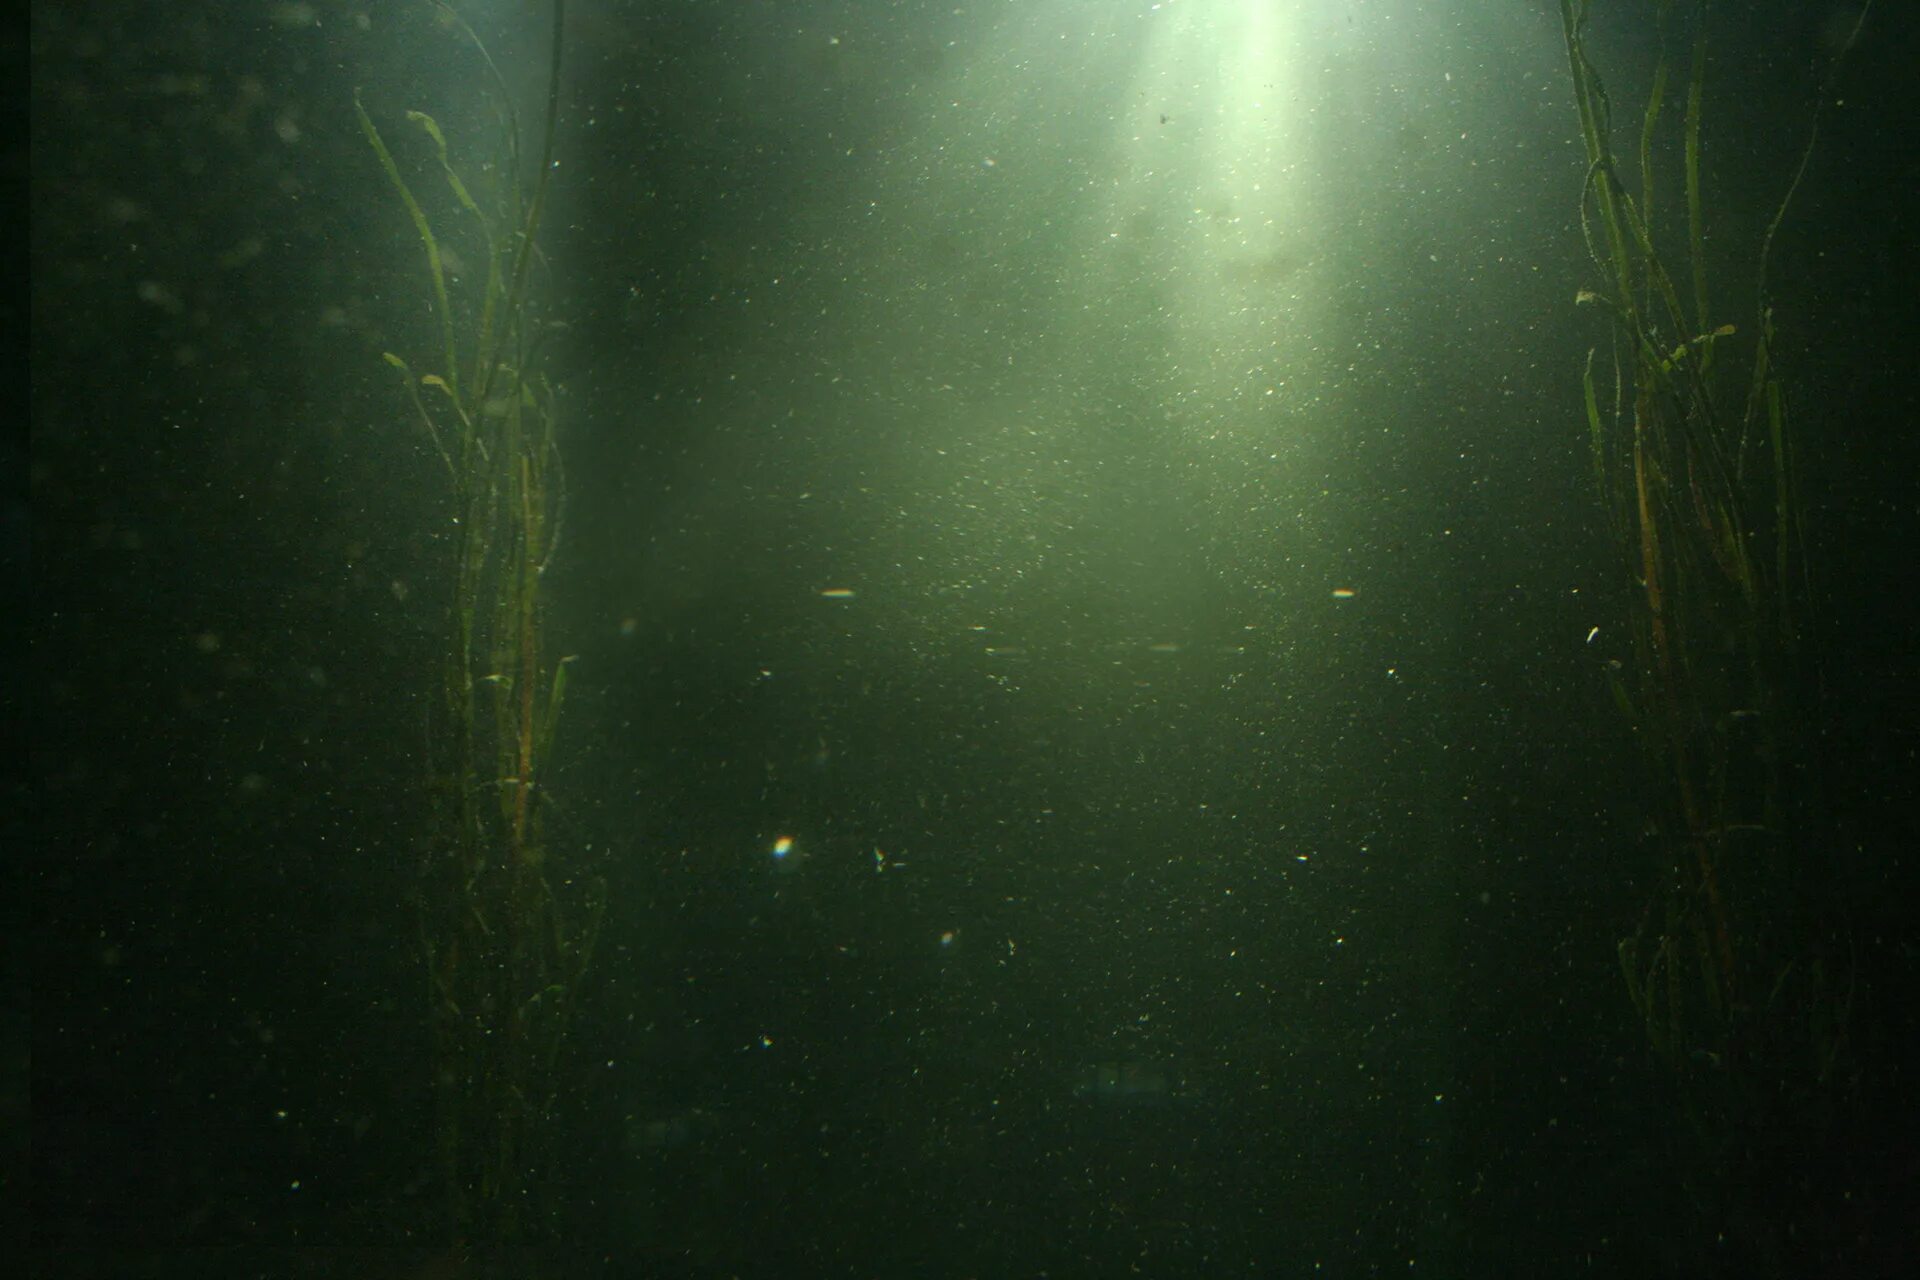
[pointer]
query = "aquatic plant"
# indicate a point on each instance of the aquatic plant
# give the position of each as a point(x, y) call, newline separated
point(505, 935)
point(1740, 971)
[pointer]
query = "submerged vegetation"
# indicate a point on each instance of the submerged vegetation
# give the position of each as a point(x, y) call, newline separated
point(1740, 970)
point(506, 933)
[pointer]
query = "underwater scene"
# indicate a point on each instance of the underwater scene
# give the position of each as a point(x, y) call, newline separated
point(876, 638)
